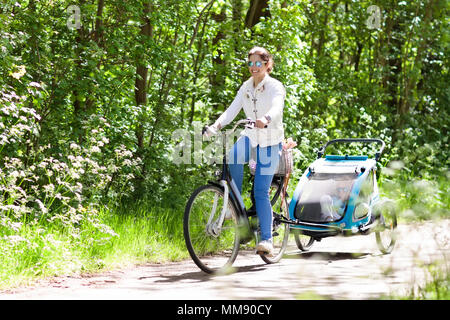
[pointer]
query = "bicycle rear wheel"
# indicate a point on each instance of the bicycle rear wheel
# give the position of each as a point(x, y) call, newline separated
point(280, 231)
point(213, 245)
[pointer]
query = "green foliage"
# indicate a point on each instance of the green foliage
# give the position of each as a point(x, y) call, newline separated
point(436, 287)
point(417, 199)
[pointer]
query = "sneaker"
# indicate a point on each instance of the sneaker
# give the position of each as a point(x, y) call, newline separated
point(265, 247)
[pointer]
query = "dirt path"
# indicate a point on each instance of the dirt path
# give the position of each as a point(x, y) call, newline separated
point(337, 268)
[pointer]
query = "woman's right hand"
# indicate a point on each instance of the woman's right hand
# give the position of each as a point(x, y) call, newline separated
point(210, 131)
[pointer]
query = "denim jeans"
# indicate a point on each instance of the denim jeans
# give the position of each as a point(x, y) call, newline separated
point(267, 159)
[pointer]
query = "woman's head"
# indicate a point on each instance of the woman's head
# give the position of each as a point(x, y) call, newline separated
point(260, 61)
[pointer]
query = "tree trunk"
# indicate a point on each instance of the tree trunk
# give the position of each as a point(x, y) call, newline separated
point(236, 18)
point(357, 57)
point(322, 33)
point(257, 9)
point(391, 62)
point(140, 87)
point(410, 82)
point(79, 111)
point(216, 79)
point(98, 32)
point(196, 69)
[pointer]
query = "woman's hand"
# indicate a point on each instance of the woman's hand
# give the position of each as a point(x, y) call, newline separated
point(210, 131)
point(261, 122)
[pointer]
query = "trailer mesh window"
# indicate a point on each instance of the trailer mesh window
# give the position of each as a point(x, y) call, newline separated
point(325, 197)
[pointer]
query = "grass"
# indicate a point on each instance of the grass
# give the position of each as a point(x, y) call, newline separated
point(141, 234)
point(37, 252)
point(420, 200)
point(436, 289)
point(437, 286)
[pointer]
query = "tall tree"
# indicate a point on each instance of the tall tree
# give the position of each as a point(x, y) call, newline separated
point(257, 9)
point(140, 88)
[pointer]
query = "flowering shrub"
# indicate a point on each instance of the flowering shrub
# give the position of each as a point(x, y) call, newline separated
point(40, 191)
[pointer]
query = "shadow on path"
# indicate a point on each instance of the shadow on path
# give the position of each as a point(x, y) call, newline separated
point(321, 255)
point(200, 276)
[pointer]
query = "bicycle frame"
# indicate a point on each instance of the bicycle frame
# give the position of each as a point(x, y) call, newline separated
point(226, 182)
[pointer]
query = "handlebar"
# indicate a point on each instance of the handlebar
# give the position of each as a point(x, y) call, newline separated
point(321, 151)
point(248, 123)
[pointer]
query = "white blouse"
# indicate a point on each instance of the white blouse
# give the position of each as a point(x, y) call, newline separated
point(267, 99)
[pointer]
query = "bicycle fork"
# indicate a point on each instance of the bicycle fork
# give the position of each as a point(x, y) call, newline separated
point(213, 228)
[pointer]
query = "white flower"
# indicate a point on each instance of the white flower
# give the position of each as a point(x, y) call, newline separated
point(16, 239)
point(20, 73)
point(95, 149)
point(16, 226)
point(74, 146)
point(14, 174)
point(35, 84)
point(49, 188)
point(41, 206)
point(74, 175)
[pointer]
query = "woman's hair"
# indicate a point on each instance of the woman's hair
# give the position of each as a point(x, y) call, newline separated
point(264, 55)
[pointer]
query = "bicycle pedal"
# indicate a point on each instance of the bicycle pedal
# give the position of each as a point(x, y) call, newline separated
point(263, 253)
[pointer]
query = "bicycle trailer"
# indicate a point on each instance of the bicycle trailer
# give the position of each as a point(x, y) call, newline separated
point(338, 194)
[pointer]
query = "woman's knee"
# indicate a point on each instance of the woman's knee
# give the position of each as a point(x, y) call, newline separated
point(262, 191)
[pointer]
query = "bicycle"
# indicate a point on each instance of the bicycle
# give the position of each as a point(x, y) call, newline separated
point(216, 222)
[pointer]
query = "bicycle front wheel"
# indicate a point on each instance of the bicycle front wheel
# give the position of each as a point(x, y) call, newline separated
point(212, 240)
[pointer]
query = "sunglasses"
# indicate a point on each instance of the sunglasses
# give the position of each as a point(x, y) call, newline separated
point(257, 64)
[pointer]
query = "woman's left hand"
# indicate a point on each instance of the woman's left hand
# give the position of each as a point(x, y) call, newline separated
point(261, 122)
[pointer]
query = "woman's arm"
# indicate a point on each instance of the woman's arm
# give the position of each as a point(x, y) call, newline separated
point(277, 103)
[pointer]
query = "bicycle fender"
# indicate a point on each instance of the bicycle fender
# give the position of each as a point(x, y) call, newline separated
point(216, 184)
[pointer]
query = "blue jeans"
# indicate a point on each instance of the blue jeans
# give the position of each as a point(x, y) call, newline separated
point(267, 159)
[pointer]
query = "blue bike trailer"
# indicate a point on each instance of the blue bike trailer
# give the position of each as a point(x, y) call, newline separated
point(336, 193)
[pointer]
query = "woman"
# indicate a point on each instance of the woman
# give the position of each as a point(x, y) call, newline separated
point(262, 98)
